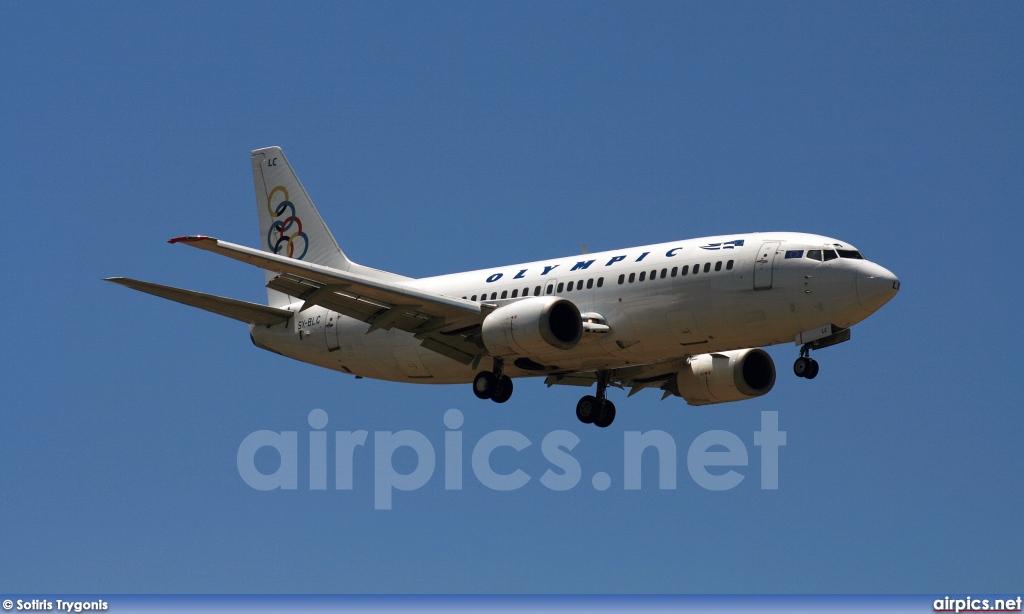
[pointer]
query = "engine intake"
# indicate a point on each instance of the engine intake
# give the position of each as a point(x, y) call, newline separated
point(533, 327)
point(726, 376)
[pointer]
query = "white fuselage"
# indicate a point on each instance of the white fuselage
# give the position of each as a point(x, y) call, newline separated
point(746, 293)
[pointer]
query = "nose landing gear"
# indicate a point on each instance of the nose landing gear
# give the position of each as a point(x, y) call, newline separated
point(805, 366)
point(492, 384)
point(597, 410)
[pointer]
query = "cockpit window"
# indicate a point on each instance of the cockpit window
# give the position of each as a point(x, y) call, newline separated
point(850, 253)
point(830, 254)
point(814, 254)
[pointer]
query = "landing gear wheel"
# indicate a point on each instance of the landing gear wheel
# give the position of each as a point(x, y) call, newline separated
point(803, 366)
point(504, 389)
point(485, 384)
point(586, 409)
point(813, 373)
point(606, 415)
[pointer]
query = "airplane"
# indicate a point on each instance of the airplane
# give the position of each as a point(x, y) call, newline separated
point(687, 317)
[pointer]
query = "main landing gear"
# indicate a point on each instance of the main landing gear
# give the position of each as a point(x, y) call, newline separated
point(805, 366)
point(597, 410)
point(492, 384)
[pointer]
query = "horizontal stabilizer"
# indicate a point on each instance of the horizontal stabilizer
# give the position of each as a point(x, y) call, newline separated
point(228, 307)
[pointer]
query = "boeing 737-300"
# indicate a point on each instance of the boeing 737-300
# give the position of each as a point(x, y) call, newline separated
point(686, 317)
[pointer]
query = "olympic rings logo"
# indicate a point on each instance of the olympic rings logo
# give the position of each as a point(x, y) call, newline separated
point(286, 232)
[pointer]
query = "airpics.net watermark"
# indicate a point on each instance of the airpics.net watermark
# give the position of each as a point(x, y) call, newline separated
point(712, 458)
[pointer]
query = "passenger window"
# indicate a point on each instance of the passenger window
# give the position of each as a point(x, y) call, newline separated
point(560, 288)
point(536, 291)
point(674, 270)
point(504, 294)
point(814, 254)
point(515, 293)
point(686, 269)
point(494, 295)
point(830, 255)
point(718, 265)
point(600, 282)
point(643, 275)
point(463, 298)
point(590, 283)
point(473, 298)
point(707, 267)
point(728, 266)
point(664, 273)
point(632, 277)
point(526, 292)
point(654, 274)
point(571, 284)
point(579, 285)
point(696, 269)
point(551, 288)
point(622, 279)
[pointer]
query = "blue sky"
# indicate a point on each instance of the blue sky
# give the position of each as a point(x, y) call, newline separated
point(439, 138)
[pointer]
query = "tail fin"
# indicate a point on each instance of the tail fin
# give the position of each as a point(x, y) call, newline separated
point(289, 223)
point(291, 226)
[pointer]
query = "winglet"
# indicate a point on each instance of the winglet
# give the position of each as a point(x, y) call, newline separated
point(188, 239)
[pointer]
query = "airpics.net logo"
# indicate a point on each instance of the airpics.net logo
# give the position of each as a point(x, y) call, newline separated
point(714, 459)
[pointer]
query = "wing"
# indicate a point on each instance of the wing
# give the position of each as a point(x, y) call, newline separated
point(229, 307)
point(445, 325)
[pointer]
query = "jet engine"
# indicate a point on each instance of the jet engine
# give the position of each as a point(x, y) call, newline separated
point(726, 376)
point(536, 326)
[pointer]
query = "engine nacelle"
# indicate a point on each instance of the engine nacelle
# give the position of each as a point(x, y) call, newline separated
point(726, 376)
point(536, 326)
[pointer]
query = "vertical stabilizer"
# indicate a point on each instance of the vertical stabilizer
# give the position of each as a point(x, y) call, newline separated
point(289, 223)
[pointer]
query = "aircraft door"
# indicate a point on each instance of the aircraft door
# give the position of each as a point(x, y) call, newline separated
point(331, 328)
point(764, 263)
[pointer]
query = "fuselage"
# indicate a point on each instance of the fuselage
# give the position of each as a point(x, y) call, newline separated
point(662, 301)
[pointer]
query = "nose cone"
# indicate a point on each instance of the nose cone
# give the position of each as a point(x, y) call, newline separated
point(876, 286)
